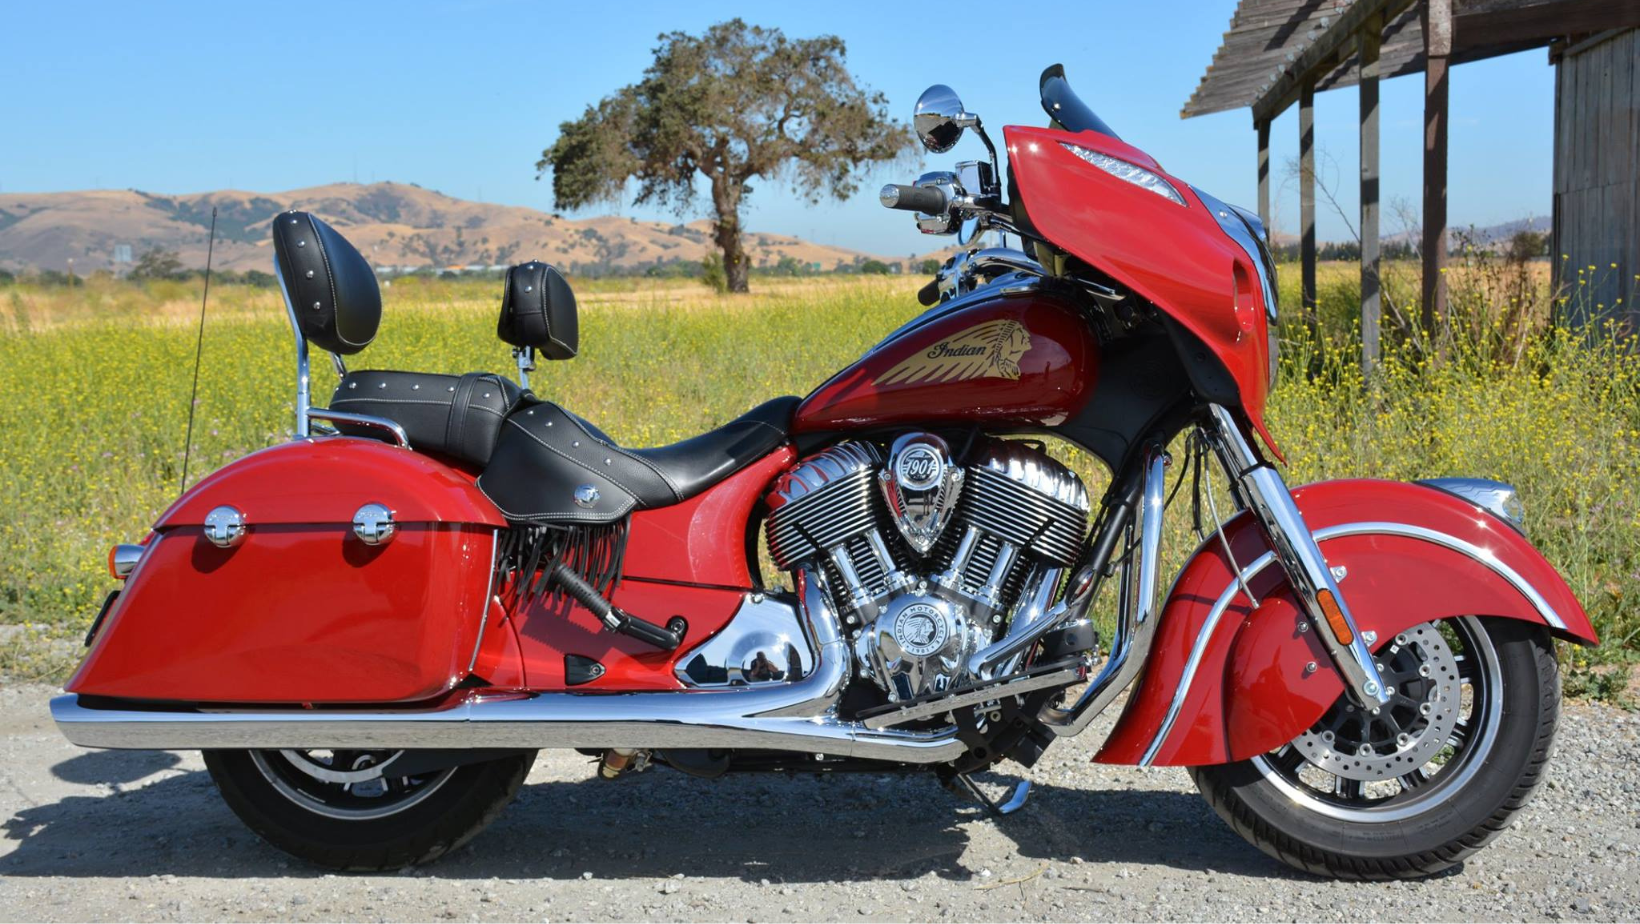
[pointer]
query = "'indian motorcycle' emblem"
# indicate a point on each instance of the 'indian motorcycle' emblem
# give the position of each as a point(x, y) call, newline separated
point(984, 351)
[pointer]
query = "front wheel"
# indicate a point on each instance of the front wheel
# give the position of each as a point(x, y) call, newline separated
point(349, 810)
point(1427, 781)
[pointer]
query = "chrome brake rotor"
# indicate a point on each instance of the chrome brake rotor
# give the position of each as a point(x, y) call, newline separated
point(1421, 670)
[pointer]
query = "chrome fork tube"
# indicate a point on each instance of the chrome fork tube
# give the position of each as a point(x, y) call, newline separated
point(1136, 623)
point(1295, 548)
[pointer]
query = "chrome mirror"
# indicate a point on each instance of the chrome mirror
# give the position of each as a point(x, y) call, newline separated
point(940, 119)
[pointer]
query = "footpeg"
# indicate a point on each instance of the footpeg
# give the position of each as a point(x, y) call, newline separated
point(666, 638)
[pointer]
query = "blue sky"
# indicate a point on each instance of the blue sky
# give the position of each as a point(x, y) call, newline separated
point(461, 97)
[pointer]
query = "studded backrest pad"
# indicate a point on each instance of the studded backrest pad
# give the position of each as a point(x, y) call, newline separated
point(538, 310)
point(331, 288)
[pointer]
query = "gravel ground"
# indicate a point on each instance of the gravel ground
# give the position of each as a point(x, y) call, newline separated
point(112, 835)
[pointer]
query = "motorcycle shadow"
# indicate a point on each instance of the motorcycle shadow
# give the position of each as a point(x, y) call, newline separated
point(782, 828)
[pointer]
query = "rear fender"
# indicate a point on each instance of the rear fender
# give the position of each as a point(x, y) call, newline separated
point(1226, 682)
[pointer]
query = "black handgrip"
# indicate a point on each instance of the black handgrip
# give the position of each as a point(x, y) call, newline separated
point(926, 199)
point(929, 294)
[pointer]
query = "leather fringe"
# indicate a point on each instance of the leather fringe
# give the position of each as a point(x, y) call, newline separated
point(529, 553)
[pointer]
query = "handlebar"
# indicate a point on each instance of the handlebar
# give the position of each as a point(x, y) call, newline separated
point(928, 200)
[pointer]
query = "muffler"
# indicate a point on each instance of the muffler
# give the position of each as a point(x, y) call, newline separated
point(799, 716)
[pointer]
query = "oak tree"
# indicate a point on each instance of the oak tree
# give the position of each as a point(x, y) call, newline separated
point(735, 103)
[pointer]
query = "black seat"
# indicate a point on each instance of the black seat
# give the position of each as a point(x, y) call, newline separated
point(454, 415)
point(550, 466)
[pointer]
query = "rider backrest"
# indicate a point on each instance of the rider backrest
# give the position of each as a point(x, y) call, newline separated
point(538, 310)
point(333, 295)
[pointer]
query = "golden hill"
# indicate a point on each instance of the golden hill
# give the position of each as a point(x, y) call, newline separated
point(394, 224)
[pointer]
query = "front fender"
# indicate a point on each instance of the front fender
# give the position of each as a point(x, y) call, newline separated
point(1226, 682)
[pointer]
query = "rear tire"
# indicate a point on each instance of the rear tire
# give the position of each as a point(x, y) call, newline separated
point(1489, 775)
point(401, 822)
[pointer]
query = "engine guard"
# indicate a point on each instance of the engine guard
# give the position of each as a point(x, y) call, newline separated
point(1226, 681)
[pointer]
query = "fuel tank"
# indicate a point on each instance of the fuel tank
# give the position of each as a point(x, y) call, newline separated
point(1027, 360)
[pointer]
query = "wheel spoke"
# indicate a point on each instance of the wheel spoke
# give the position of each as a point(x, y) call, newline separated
point(1459, 737)
point(1347, 788)
point(1287, 759)
point(1413, 780)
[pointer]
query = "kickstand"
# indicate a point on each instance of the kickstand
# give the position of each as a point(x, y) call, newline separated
point(1012, 804)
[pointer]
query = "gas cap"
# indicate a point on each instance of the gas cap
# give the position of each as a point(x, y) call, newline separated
point(225, 527)
point(374, 525)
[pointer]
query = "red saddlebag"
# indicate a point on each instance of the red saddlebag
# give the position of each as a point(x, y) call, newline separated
point(301, 609)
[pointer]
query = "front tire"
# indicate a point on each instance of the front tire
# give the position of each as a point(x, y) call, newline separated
point(1355, 797)
point(345, 810)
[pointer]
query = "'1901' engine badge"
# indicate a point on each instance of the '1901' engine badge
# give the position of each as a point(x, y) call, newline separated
point(921, 484)
point(921, 630)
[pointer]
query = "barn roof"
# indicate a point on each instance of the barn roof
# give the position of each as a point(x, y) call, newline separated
point(1272, 44)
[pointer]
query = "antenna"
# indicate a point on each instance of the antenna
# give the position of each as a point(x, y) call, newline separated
point(199, 350)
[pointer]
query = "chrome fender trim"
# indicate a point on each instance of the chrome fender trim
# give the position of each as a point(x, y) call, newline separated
point(798, 716)
point(1205, 635)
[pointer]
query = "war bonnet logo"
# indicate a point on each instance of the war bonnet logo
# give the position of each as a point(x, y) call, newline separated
point(985, 351)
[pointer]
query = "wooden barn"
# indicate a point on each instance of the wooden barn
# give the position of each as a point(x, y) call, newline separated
point(1279, 53)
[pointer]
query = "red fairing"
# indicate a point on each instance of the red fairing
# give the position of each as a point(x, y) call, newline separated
point(1251, 690)
point(1177, 257)
point(1028, 361)
point(301, 610)
point(700, 541)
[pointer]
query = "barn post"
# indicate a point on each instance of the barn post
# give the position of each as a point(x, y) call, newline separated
point(1264, 178)
point(1371, 299)
point(1306, 199)
point(1437, 26)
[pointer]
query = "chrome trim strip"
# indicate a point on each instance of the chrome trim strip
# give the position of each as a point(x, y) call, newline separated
point(1238, 225)
point(1379, 528)
point(1198, 650)
point(797, 717)
point(489, 596)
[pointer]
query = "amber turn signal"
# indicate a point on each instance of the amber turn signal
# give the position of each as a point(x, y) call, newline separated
point(1335, 617)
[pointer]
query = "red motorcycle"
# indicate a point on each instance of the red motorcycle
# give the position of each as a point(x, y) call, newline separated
point(371, 630)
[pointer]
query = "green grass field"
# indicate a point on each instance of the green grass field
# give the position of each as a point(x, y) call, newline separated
point(96, 382)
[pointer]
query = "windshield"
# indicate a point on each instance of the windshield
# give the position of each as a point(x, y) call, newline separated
point(1066, 109)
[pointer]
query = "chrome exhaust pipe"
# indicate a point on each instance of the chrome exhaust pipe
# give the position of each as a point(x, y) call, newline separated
point(800, 716)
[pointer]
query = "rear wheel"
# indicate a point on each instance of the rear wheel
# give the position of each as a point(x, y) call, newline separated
point(347, 809)
point(1424, 783)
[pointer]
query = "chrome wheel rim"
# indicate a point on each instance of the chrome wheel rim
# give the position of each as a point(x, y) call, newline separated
point(350, 785)
point(1310, 771)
